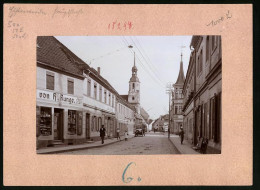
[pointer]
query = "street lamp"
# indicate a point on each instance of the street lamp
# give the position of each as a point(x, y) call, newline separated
point(169, 89)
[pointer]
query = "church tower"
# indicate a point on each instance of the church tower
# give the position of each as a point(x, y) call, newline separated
point(178, 99)
point(134, 89)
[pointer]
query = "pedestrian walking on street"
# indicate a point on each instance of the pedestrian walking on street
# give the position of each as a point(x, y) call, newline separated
point(102, 134)
point(181, 134)
point(143, 131)
point(126, 135)
point(117, 133)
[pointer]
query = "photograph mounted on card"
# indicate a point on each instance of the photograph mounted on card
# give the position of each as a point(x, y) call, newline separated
point(122, 94)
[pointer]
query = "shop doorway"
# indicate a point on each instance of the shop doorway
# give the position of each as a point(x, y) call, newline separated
point(87, 126)
point(58, 124)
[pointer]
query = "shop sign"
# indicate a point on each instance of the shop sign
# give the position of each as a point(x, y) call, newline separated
point(57, 97)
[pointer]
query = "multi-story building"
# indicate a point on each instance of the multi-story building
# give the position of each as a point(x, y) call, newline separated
point(59, 94)
point(203, 91)
point(177, 101)
point(98, 104)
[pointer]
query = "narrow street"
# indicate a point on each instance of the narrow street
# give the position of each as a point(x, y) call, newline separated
point(151, 143)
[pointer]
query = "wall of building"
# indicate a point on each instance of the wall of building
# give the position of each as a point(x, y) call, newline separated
point(59, 100)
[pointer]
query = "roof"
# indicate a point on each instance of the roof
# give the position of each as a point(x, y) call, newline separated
point(134, 78)
point(144, 114)
point(125, 97)
point(53, 53)
point(181, 78)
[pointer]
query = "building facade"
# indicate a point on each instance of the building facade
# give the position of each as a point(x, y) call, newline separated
point(59, 95)
point(125, 116)
point(188, 103)
point(203, 89)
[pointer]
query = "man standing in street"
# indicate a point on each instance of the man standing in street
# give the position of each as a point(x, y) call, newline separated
point(102, 134)
point(118, 133)
point(181, 134)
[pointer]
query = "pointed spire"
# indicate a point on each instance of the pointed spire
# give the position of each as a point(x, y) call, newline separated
point(181, 77)
point(134, 77)
point(134, 59)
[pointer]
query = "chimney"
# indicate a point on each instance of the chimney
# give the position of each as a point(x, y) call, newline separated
point(98, 70)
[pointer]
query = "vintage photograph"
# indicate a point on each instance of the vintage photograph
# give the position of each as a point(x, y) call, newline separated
point(128, 95)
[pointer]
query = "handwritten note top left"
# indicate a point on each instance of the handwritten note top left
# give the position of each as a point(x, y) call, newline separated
point(17, 29)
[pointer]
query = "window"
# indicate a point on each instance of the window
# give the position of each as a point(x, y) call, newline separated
point(45, 121)
point(199, 65)
point(133, 85)
point(72, 122)
point(112, 101)
point(95, 91)
point(105, 96)
point(180, 109)
point(207, 49)
point(99, 123)
point(100, 93)
point(50, 81)
point(94, 123)
point(200, 60)
point(109, 99)
point(213, 43)
point(89, 87)
point(133, 98)
point(70, 86)
point(176, 109)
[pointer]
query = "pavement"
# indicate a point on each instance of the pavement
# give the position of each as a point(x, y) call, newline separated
point(185, 148)
point(68, 148)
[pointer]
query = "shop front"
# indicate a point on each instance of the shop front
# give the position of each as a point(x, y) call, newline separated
point(58, 119)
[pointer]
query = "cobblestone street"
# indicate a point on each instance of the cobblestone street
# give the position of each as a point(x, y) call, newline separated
point(151, 143)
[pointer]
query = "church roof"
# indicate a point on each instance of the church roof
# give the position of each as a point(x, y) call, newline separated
point(134, 78)
point(181, 77)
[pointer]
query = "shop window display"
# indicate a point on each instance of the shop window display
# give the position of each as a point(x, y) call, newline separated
point(45, 121)
point(72, 122)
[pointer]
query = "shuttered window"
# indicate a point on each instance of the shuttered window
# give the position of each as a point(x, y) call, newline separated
point(70, 86)
point(50, 81)
point(89, 87)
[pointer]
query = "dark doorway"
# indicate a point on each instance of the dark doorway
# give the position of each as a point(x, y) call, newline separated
point(87, 126)
point(58, 124)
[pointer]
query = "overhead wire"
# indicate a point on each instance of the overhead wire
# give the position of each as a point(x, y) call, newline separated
point(149, 65)
point(145, 69)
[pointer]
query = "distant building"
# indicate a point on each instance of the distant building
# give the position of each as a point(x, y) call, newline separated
point(161, 124)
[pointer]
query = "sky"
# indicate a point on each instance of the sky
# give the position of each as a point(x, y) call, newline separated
point(157, 60)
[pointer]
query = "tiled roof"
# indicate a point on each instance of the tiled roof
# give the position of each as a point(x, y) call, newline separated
point(53, 53)
point(181, 78)
point(125, 97)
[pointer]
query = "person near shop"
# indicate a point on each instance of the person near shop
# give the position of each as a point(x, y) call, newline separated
point(181, 134)
point(118, 133)
point(126, 135)
point(102, 133)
